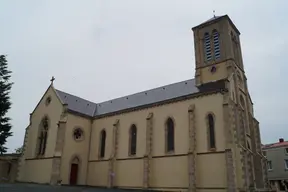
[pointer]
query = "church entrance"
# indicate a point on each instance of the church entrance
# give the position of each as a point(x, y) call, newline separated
point(74, 171)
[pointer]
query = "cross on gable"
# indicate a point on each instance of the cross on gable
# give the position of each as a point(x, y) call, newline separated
point(52, 79)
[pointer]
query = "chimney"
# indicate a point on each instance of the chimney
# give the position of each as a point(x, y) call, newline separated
point(281, 140)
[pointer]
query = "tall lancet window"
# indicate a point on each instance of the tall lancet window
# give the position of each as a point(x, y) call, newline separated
point(169, 135)
point(102, 143)
point(43, 135)
point(133, 140)
point(211, 132)
point(216, 44)
point(207, 47)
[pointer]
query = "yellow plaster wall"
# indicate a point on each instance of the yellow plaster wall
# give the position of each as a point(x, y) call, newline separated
point(207, 76)
point(53, 111)
point(170, 172)
point(74, 148)
point(98, 174)
point(178, 166)
point(129, 173)
point(211, 171)
point(38, 171)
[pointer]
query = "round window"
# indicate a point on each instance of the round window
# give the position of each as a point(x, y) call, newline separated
point(48, 101)
point(78, 134)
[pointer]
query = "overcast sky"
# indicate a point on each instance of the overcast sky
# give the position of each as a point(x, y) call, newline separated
point(102, 49)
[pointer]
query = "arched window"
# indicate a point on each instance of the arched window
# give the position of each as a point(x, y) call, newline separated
point(169, 135)
point(211, 132)
point(133, 140)
point(43, 135)
point(102, 143)
point(216, 44)
point(207, 47)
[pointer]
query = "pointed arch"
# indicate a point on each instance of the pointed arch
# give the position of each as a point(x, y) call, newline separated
point(216, 42)
point(43, 135)
point(102, 143)
point(207, 47)
point(211, 131)
point(75, 164)
point(133, 140)
point(75, 159)
point(170, 135)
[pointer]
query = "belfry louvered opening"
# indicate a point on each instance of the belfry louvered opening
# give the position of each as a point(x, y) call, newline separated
point(207, 47)
point(216, 44)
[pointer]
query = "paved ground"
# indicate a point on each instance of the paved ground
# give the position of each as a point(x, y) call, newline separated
point(46, 188)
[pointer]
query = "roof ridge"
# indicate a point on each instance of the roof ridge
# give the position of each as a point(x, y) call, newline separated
point(146, 90)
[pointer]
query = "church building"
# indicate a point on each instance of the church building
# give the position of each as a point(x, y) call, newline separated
point(198, 135)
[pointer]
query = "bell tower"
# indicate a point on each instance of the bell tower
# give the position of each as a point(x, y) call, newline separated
point(218, 58)
point(217, 50)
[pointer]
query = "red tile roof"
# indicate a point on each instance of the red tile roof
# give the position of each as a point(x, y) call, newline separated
point(274, 145)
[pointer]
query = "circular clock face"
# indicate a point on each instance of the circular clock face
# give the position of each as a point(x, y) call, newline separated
point(213, 69)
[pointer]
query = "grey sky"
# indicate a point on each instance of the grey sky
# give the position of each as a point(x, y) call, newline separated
point(102, 49)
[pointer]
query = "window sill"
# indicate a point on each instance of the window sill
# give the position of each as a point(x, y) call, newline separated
point(132, 156)
point(39, 156)
point(212, 149)
point(169, 153)
point(270, 170)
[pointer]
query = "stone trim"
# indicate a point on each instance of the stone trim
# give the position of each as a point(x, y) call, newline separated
point(148, 153)
point(60, 137)
point(230, 167)
point(59, 146)
point(21, 160)
point(113, 157)
point(192, 151)
point(56, 171)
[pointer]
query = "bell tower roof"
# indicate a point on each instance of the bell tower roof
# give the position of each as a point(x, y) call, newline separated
point(215, 19)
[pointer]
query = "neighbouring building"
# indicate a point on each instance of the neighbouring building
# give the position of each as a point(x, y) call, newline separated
point(195, 135)
point(277, 163)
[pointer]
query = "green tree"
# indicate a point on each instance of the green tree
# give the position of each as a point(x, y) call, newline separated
point(19, 150)
point(5, 104)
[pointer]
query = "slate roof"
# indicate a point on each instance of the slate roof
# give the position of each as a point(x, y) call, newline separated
point(171, 91)
point(77, 104)
point(209, 20)
point(214, 18)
